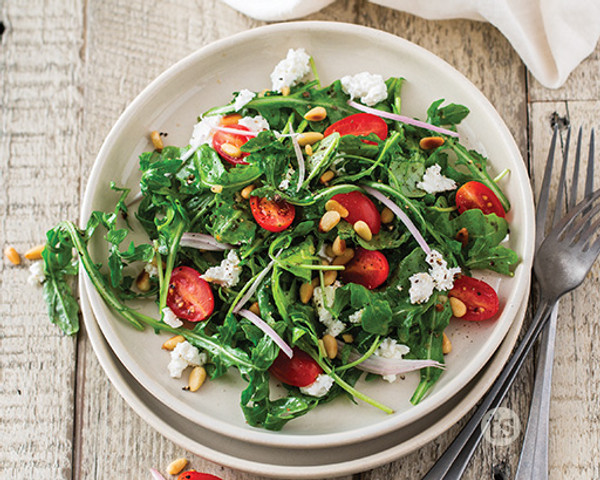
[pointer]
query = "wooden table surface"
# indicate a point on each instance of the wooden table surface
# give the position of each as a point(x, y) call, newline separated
point(68, 68)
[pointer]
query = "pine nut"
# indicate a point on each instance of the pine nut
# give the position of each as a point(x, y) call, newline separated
point(363, 230)
point(338, 247)
point(142, 281)
point(331, 346)
point(308, 149)
point(316, 114)
point(327, 177)
point(463, 236)
point(156, 140)
point(306, 292)
point(254, 308)
point(348, 338)
point(172, 342)
point(329, 220)
point(285, 91)
point(176, 466)
point(329, 277)
point(231, 119)
point(344, 258)
point(429, 143)
point(35, 253)
point(216, 188)
point(196, 378)
point(12, 255)
point(338, 207)
point(315, 282)
point(387, 216)
point(246, 191)
point(309, 138)
point(459, 309)
point(446, 344)
point(231, 150)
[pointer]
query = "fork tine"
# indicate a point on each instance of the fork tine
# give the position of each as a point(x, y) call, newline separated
point(573, 197)
point(542, 206)
point(573, 216)
point(561, 181)
point(589, 181)
point(587, 233)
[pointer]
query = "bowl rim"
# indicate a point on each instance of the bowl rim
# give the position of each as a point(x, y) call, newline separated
point(521, 279)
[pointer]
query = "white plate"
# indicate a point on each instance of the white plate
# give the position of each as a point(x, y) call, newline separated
point(206, 78)
point(277, 462)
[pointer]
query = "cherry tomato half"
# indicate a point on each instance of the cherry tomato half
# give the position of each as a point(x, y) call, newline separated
point(368, 268)
point(300, 370)
point(194, 475)
point(477, 195)
point(220, 138)
point(480, 298)
point(360, 207)
point(270, 215)
point(190, 296)
point(359, 124)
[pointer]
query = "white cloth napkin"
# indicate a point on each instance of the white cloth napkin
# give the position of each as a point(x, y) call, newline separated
point(551, 36)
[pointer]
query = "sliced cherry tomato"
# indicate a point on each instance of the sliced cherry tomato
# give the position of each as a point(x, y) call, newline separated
point(190, 296)
point(220, 138)
point(300, 370)
point(270, 215)
point(368, 268)
point(481, 299)
point(360, 124)
point(194, 475)
point(477, 195)
point(360, 207)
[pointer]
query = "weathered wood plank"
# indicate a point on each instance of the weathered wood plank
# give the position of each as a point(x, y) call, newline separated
point(40, 107)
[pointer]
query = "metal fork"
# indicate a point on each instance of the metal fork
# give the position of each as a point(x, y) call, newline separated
point(562, 261)
point(533, 463)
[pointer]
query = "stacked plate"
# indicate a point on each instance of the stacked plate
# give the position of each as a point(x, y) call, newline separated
point(340, 437)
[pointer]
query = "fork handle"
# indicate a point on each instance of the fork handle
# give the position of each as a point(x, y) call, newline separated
point(533, 464)
point(454, 461)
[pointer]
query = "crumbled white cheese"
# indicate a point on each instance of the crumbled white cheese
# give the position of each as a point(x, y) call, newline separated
point(227, 274)
point(243, 97)
point(433, 181)
point(334, 326)
point(289, 71)
point(421, 287)
point(356, 317)
point(285, 183)
point(254, 124)
point(319, 387)
point(370, 88)
point(183, 355)
point(36, 273)
point(439, 271)
point(203, 131)
point(390, 348)
point(170, 318)
point(151, 269)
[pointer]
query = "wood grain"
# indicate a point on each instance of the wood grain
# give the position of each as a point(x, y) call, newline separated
point(67, 71)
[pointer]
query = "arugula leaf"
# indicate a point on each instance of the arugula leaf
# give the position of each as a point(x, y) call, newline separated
point(231, 223)
point(212, 172)
point(321, 158)
point(451, 114)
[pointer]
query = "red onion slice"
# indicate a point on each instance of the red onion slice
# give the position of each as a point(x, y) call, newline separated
point(245, 133)
point(253, 287)
point(260, 323)
point(401, 215)
point(401, 118)
point(155, 473)
point(202, 241)
point(299, 157)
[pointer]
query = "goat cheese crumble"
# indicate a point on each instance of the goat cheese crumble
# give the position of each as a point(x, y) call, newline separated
point(36, 273)
point(170, 318)
point(421, 287)
point(151, 269)
point(433, 181)
point(184, 355)
point(285, 183)
point(289, 71)
point(390, 348)
point(227, 274)
point(356, 317)
point(254, 124)
point(369, 87)
point(243, 97)
point(323, 299)
point(439, 277)
point(319, 387)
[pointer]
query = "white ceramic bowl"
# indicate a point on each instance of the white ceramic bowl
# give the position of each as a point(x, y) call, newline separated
point(207, 78)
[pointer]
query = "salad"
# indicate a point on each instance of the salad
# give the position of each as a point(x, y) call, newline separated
point(308, 235)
